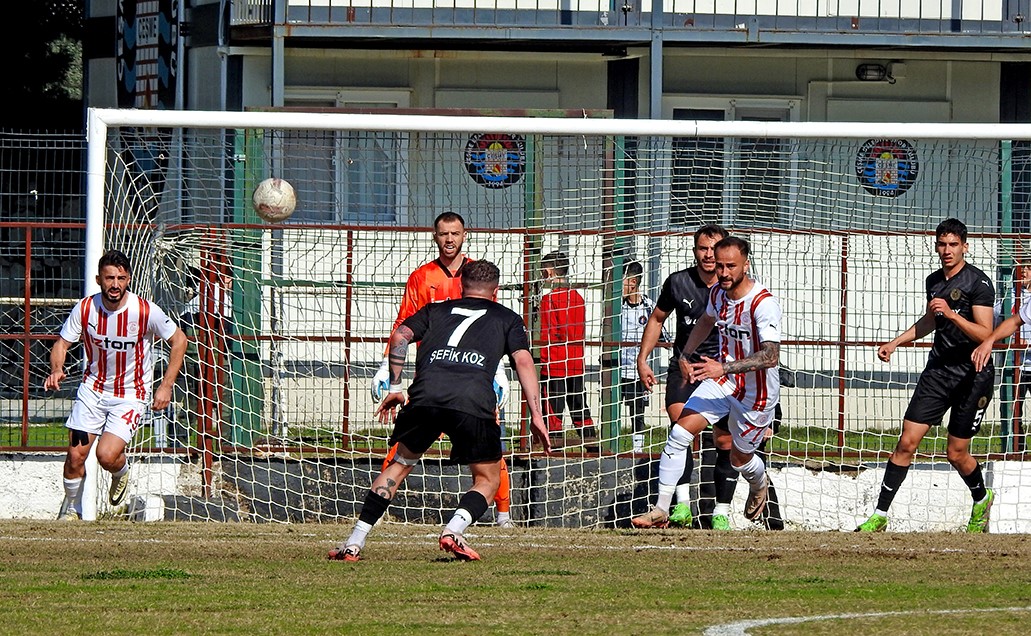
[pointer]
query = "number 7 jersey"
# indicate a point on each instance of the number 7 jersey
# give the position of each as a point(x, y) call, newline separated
point(460, 345)
point(743, 325)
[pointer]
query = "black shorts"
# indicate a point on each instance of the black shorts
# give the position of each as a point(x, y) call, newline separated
point(473, 439)
point(677, 391)
point(965, 391)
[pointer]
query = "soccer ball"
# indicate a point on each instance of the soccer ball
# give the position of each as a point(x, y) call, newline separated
point(274, 200)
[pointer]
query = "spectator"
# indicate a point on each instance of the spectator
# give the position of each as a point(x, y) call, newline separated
point(563, 327)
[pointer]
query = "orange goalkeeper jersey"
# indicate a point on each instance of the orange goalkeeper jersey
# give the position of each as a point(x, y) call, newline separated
point(430, 283)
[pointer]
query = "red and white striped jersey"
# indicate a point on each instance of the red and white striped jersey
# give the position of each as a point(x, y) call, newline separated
point(118, 344)
point(744, 324)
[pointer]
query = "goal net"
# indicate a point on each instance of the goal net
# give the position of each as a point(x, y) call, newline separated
point(272, 418)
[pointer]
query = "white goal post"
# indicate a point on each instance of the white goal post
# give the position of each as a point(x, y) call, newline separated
point(272, 420)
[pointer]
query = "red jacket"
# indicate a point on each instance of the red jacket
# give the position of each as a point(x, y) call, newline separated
point(563, 323)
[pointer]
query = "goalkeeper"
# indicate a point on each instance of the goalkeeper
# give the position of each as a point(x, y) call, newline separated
point(461, 343)
point(438, 281)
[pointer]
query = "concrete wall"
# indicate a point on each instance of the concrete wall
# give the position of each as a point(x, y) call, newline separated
point(592, 493)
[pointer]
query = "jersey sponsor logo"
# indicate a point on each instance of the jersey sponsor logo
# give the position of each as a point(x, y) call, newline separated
point(114, 344)
point(733, 331)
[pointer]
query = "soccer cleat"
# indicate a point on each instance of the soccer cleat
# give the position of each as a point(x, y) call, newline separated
point(350, 553)
point(756, 501)
point(654, 518)
point(506, 524)
point(119, 486)
point(720, 522)
point(681, 515)
point(876, 523)
point(456, 545)
point(980, 513)
point(69, 515)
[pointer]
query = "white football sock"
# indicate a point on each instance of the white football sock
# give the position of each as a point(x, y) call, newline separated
point(361, 530)
point(72, 488)
point(752, 471)
point(462, 520)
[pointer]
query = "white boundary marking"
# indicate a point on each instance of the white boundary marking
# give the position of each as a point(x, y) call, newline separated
point(741, 628)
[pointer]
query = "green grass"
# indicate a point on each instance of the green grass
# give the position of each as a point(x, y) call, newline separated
point(173, 578)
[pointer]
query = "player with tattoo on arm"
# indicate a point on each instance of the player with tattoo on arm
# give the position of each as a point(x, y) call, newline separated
point(461, 343)
point(435, 282)
point(741, 383)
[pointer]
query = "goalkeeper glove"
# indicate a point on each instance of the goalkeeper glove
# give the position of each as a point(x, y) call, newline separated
point(501, 385)
point(380, 381)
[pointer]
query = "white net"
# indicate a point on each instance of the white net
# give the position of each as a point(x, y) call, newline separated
point(273, 420)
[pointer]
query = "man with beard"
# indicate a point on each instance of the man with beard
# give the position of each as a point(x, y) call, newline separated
point(117, 329)
point(740, 383)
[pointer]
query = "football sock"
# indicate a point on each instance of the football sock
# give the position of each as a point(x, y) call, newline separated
point(121, 471)
point(673, 464)
point(721, 509)
point(673, 461)
point(725, 478)
point(503, 498)
point(683, 493)
point(71, 493)
point(753, 471)
point(975, 482)
point(503, 518)
point(894, 475)
point(471, 507)
point(373, 508)
point(685, 479)
point(361, 530)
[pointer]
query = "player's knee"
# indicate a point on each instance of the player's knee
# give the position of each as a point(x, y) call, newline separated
point(958, 457)
point(679, 441)
point(109, 460)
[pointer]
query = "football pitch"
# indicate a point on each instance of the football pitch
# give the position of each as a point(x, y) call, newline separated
point(175, 578)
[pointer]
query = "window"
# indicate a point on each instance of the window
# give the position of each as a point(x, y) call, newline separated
point(743, 182)
point(348, 176)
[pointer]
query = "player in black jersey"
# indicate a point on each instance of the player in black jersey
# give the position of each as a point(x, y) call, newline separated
point(461, 343)
point(959, 312)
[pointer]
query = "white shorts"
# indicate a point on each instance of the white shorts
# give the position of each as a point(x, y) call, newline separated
point(97, 413)
point(747, 427)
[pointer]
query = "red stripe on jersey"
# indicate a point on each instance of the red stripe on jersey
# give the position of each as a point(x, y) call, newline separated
point(138, 380)
point(739, 353)
point(762, 391)
point(98, 382)
point(84, 334)
point(121, 357)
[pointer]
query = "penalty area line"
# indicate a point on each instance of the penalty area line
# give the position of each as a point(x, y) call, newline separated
point(740, 628)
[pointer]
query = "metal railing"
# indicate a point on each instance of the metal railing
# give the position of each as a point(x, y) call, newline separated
point(699, 20)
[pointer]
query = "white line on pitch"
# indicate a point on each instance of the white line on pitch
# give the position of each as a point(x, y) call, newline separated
point(741, 628)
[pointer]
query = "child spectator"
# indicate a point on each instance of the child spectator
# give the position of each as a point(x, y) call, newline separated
point(563, 326)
